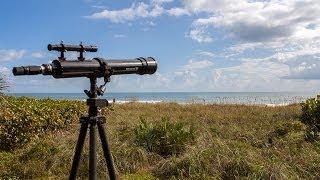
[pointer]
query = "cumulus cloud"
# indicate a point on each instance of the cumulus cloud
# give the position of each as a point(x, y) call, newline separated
point(139, 10)
point(303, 65)
point(178, 12)
point(11, 54)
point(38, 54)
point(305, 70)
point(260, 21)
point(196, 65)
point(161, 1)
point(277, 72)
point(288, 29)
point(127, 14)
point(200, 35)
point(301, 61)
point(205, 53)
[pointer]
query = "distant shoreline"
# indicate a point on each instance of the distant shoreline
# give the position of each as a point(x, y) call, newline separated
point(247, 98)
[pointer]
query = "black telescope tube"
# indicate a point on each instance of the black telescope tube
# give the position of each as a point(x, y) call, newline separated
point(98, 67)
point(70, 69)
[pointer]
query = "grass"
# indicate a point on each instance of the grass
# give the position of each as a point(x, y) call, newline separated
point(200, 142)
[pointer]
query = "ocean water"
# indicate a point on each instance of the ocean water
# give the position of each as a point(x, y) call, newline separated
point(272, 98)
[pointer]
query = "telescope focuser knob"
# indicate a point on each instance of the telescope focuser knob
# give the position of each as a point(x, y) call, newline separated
point(101, 90)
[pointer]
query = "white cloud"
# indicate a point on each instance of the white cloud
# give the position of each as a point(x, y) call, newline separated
point(300, 62)
point(288, 29)
point(303, 64)
point(200, 35)
point(161, 1)
point(38, 54)
point(156, 11)
point(139, 10)
point(11, 54)
point(4, 70)
point(205, 53)
point(196, 65)
point(271, 73)
point(178, 12)
point(305, 70)
point(239, 48)
point(211, 6)
point(260, 21)
point(98, 7)
point(123, 15)
point(151, 23)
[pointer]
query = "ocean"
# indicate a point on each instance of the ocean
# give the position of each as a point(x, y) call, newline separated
point(267, 98)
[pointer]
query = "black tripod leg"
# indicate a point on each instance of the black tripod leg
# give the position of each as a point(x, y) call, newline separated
point(106, 151)
point(77, 154)
point(92, 153)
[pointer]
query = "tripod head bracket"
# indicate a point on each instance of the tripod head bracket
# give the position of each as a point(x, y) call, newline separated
point(97, 102)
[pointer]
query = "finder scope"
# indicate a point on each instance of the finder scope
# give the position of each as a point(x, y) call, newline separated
point(65, 47)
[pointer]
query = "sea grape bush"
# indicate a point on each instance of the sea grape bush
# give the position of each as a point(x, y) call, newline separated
point(311, 117)
point(164, 138)
point(22, 119)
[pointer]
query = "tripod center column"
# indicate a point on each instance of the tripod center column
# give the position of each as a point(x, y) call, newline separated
point(93, 116)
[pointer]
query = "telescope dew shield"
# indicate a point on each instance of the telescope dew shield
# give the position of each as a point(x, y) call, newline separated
point(130, 66)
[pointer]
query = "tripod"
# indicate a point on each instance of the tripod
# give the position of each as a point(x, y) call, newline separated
point(93, 69)
point(91, 122)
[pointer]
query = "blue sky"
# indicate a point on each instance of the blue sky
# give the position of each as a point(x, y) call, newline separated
point(200, 45)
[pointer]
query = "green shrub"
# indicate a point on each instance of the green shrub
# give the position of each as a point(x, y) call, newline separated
point(165, 138)
point(285, 127)
point(22, 119)
point(311, 117)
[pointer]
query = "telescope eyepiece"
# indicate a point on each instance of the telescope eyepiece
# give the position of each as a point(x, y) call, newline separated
point(27, 70)
point(18, 71)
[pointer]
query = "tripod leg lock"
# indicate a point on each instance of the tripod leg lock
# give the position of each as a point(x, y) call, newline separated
point(91, 120)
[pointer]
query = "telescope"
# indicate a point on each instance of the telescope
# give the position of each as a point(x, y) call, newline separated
point(92, 69)
point(98, 67)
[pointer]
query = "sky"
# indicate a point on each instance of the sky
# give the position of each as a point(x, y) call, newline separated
point(200, 45)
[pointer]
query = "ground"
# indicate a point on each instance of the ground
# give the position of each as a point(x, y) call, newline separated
point(159, 141)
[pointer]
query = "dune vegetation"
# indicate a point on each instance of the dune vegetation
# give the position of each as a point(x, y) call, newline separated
point(159, 141)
